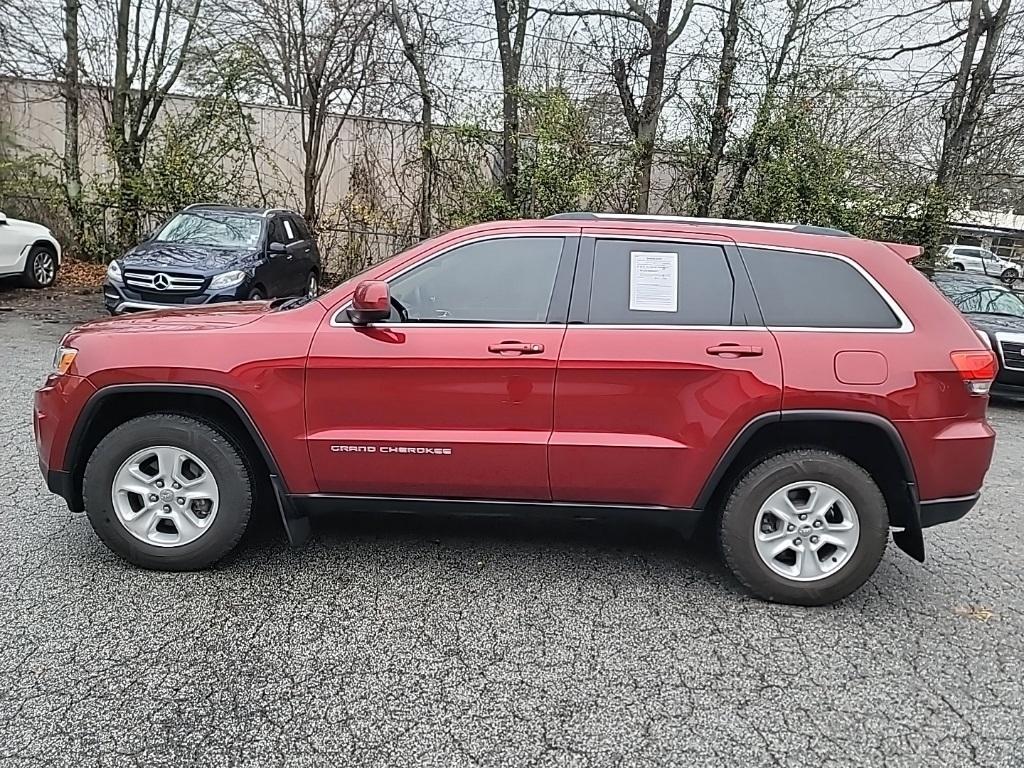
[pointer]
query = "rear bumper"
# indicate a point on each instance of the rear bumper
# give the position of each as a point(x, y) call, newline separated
point(940, 511)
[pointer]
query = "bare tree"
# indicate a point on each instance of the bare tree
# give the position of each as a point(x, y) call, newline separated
point(151, 45)
point(722, 113)
point(510, 20)
point(975, 59)
point(662, 29)
point(413, 50)
point(72, 92)
point(307, 54)
point(795, 25)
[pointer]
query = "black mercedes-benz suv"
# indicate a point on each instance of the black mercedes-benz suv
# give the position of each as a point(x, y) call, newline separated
point(210, 253)
point(997, 313)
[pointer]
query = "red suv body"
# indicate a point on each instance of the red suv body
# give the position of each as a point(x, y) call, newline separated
point(581, 366)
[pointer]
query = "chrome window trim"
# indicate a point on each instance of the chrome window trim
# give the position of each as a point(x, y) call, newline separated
point(1015, 338)
point(335, 323)
point(906, 324)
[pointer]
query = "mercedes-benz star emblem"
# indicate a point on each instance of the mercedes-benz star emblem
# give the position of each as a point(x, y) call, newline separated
point(161, 282)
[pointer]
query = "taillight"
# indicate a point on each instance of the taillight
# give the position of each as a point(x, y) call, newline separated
point(978, 370)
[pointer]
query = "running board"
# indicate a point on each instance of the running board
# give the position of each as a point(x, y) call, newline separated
point(683, 520)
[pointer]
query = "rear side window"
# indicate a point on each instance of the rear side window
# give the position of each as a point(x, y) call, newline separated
point(640, 282)
point(803, 290)
point(299, 227)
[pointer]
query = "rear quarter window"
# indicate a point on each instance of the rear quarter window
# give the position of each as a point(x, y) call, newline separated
point(804, 290)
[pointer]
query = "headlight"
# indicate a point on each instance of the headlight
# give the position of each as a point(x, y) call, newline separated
point(228, 279)
point(63, 359)
point(114, 272)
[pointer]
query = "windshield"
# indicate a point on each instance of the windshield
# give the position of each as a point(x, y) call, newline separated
point(990, 299)
point(224, 230)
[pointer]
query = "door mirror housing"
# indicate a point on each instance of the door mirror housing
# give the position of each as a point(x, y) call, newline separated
point(371, 303)
point(277, 247)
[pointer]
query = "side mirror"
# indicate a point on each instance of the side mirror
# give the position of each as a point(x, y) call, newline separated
point(277, 247)
point(371, 303)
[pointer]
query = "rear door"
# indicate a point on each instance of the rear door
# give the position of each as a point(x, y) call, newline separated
point(664, 361)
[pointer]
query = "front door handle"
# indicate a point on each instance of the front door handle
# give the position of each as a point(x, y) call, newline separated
point(735, 350)
point(515, 348)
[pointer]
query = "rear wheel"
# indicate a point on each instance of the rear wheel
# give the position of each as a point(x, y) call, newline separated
point(168, 492)
point(806, 527)
point(256, 295)
point(958, 266)
point(40, 267)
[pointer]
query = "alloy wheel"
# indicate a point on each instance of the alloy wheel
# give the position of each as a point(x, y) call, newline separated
point(806, 531)
point(165, 496)
point(44, 268)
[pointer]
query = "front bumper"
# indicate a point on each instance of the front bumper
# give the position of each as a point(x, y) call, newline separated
point(119, 299)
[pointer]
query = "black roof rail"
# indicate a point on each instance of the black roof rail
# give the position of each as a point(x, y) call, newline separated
point(805, 229)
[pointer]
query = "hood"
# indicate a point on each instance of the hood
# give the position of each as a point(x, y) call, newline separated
point(204, 318)
point(183, 257)
point(996, 323)
point(28, 227)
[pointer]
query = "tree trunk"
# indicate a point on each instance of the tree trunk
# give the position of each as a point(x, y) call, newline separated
point(510, 55)
point(722, 114)
point(72, 97)
point(510, 144)
point(427, 163)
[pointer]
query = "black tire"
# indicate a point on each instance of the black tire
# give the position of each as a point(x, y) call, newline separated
point(256, 295)
point(958, 266)
point(224, 459)
point(1009, 275)
point(40, 267)
point(736, 526)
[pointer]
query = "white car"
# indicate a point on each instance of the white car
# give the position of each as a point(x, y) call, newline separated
point(28, 250)
point(971, 258)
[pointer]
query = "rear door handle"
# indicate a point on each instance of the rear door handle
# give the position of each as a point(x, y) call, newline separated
point(515, 348)
point(735, 350)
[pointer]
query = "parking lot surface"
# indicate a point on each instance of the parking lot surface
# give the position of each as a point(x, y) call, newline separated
point(403, 641)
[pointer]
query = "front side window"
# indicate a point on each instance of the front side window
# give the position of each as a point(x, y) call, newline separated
point(805, 290)
point(507, 280)
point(639, 282)
point(214, 228)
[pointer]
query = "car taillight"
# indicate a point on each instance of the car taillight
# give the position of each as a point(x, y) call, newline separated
point(978, 370)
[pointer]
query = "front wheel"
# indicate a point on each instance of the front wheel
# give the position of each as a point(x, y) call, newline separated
point(40, 267)
point(806, 527)
point(168, 492)
point(1009, 275)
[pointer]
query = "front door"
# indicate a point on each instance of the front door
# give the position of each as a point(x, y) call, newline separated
point(664, 361)
point(453, 396)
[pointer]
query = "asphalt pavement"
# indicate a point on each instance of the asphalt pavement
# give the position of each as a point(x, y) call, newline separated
point(394, 641)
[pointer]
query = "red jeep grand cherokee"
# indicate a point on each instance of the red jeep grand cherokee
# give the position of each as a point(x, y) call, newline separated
point(803, 389)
